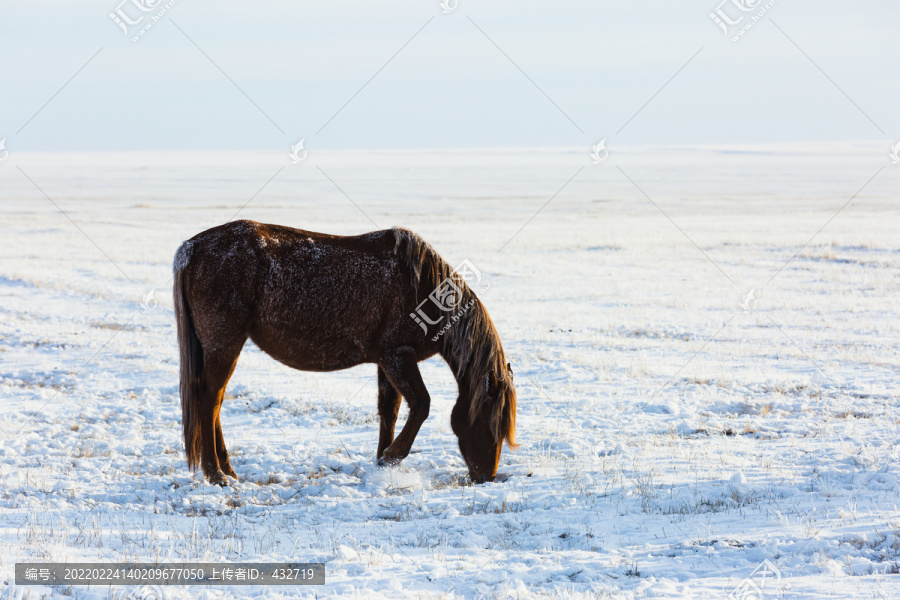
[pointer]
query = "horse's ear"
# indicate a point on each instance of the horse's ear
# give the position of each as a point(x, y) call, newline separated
point(509, 370)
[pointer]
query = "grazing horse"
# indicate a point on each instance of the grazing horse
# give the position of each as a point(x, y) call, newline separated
point(319, 302)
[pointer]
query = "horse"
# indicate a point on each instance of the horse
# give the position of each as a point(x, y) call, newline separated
point(320, 302)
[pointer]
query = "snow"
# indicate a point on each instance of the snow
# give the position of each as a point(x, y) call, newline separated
point(670, 441)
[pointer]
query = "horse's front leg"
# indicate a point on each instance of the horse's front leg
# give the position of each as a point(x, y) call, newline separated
point(388, 408)
point(403, 373)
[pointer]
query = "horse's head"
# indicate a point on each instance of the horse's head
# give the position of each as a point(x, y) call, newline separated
point(484, 422)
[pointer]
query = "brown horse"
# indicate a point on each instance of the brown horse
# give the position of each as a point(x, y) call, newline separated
point(319, 302)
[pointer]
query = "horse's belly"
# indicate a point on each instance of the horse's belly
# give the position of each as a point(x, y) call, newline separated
point(329, 363)
point(310, 351)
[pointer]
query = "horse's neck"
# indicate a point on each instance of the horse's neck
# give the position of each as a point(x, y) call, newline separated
point(460, 372)
point(467, 345)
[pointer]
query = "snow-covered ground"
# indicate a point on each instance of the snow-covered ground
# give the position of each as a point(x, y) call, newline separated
point(672, 440)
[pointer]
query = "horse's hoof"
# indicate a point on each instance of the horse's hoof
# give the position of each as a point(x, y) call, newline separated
point(230, 472)
point(387, 462)
point(219, 479)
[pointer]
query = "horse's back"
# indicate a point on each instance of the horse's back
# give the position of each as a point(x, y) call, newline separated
point(258, 246)
point(314, 301)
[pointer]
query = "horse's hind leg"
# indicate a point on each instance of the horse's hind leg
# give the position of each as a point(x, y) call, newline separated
point(403, 372)
point(217, 369)
point(222, 452)
point(388, 407)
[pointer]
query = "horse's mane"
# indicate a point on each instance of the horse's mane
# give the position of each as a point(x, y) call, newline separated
point(472, 343)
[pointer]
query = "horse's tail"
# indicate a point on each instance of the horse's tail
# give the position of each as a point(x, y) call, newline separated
point(191, 361)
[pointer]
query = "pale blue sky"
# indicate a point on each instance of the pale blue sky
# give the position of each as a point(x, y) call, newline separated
point(300, 62)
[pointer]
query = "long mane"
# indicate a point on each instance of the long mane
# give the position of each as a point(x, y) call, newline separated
point(472, 344)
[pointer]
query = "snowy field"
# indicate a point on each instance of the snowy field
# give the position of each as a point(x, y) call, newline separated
point(672, 440)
